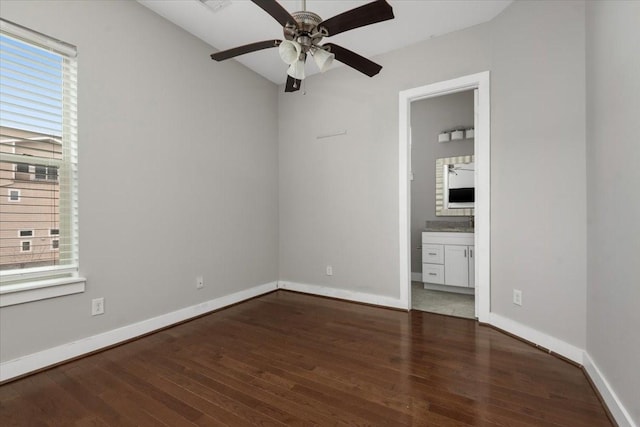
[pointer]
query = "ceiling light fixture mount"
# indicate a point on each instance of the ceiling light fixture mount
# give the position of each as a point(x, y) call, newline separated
point(303, 31)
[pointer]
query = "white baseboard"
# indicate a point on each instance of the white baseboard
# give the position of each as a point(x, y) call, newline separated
point(554, 344)
point(42, 359)
point(344, 294)
point(547, 341)
point(35, 361)
point(617, 409)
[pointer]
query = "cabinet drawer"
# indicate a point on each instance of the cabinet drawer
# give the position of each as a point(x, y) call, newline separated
point(433, 254)
point(433, 273)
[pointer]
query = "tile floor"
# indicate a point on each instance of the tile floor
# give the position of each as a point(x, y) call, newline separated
point(449, 303)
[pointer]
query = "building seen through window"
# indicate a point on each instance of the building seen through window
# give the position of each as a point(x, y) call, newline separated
point(37, 155)
point(30, 205)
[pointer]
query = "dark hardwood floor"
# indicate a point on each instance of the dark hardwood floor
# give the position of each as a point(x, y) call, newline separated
point(292, 359)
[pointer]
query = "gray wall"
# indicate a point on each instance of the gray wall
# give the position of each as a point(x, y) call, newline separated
point(538, 167)
point(173, 181)
point(613, 159)
point(339, 196)
point(429, 117)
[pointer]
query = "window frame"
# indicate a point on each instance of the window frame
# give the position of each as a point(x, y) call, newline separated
point(10, 197)
point(31, 230)
point(17, 169)
point(44, 174)
point(22, 249)
point(40, 173)
point(19, 286)
point(49, 174)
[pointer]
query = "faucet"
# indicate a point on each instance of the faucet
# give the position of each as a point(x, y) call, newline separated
point(472, 222)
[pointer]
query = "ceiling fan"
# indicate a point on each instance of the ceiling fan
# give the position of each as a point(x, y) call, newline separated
point(303, 32)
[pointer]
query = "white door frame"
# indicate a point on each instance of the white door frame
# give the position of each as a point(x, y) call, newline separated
point(482, 151)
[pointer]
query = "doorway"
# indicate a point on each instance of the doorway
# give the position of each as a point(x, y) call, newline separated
point(441, 194)
point(480, 84)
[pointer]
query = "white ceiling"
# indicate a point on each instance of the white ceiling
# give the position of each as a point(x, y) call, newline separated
point(241, 22)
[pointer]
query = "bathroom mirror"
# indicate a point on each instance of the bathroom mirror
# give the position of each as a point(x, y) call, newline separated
point(455, 186)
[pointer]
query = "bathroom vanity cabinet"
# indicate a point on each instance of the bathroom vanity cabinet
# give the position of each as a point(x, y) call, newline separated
point(448, 258)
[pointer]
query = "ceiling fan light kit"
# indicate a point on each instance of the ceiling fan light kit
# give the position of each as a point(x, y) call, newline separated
point(296, 70)
point(303, 32)
point(323, 59)
point(289, 51)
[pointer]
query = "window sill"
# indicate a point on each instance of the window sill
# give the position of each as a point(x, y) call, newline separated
point(42, 289)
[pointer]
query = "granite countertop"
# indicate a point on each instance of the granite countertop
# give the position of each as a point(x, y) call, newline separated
point(449, 226)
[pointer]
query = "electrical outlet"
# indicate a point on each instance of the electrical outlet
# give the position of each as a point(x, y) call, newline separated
point(199, 282)
point(329, 270)
point(97, 306)
point(517, 297)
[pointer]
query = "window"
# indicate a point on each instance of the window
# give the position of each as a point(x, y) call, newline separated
point(22, 172)
point(14, 195)
point(46, 173)
point(41, 172)
point(52, 173)
point(38, 166)
point(25, 172)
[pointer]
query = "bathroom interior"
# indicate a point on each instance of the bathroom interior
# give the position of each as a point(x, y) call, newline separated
point(442, 201)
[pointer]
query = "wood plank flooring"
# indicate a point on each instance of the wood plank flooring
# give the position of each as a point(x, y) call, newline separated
point(292, 359)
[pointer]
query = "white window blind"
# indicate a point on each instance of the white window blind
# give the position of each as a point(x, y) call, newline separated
point(38, 157)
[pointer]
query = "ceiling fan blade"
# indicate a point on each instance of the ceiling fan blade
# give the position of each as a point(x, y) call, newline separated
point(354, 60)
point(292, 84)
point(247, 48)
point(370, 13)
point(278, 12)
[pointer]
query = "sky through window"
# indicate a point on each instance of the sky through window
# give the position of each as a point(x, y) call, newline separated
point(30, 88)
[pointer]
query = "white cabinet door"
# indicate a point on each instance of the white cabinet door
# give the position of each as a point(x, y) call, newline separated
point(472, 266)
point(456, 265)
